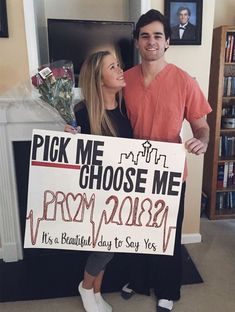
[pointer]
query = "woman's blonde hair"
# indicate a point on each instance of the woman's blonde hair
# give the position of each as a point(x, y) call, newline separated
point(90, 82)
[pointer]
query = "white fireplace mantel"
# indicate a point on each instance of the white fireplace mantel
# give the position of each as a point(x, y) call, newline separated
point(17, 120)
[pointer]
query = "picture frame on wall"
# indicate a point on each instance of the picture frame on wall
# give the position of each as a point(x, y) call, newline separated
point(3, 19)
point(185, 18)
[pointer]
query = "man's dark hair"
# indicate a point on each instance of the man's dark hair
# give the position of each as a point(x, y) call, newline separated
point(152, 16)
point(183, 8)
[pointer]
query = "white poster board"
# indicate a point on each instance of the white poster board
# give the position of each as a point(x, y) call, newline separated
point(101, 193)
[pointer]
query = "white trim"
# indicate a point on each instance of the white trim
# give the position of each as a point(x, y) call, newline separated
point(18, 118)
point(9, 225)
point(31, 36)
point(136, 8)
point(145, 6)
point(191, 238)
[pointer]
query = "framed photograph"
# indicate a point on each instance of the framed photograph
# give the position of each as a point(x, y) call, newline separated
point(185, 20)
point(3, 19)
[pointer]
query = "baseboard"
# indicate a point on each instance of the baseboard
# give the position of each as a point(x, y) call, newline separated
point(191, 238)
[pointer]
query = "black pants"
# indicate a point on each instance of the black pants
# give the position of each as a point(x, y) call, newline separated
point(163, 273)
point(97, 262)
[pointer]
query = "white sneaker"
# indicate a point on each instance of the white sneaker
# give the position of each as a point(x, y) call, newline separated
point(164, 305)
point(102, 304)
point(88, 299)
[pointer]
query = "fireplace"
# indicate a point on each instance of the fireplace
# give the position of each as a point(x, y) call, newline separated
point(17, 120)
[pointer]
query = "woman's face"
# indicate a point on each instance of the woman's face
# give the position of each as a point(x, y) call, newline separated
point(112, 74)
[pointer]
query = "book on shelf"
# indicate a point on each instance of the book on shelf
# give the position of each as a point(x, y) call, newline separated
point(233, 179)
point(230, 174)
point(220, 176)
point(229, 49)
point(228, 111)
point(233, 58)
point(226, 175)
point(230, 143)
point(225, 85)
point(233, 86)
point(229, 86)
point(230, 57)
point(226, 146)
point(225, 200)
point(225, 179)
point(219, 201)
point(220, 145)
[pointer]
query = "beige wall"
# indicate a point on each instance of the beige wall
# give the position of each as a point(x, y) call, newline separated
point(88, 9)
point(224, 13)
point(14, 59)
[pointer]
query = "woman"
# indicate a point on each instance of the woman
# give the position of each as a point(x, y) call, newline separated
point(101, 80)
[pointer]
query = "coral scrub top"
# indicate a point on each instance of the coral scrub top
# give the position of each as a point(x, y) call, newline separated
point(157, 111)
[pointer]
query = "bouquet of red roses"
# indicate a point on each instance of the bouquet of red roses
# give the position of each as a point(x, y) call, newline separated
point(55, 84)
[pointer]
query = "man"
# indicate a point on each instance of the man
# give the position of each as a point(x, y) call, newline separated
point(184, 30)
point(158, 97)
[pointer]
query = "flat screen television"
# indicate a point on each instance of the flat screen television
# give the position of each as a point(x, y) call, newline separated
point(75, 39)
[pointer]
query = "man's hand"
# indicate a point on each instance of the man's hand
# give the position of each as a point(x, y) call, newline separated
point(195, 146)
point(198, 144)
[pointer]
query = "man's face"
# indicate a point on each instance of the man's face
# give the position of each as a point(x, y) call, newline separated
point(183, 17)
point(152, 41)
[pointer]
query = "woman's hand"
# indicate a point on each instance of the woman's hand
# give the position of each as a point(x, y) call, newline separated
point(71, 129)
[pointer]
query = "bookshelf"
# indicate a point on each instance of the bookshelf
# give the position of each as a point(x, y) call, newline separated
point(219, 161)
